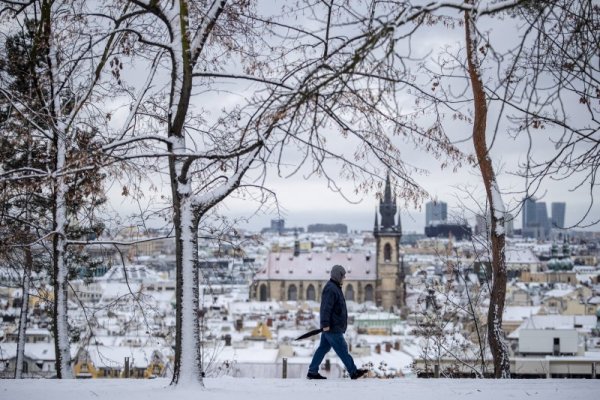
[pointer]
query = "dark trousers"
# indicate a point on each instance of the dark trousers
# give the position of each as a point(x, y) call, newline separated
point(338, 343)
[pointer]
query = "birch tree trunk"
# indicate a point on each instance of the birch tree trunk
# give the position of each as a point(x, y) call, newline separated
point(59, 240)
point(61, 284)
point(496, 208)
point(187, 361)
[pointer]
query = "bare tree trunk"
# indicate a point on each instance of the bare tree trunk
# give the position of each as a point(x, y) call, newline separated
point(497, 237)
point(187, 362)
point(61, 327)
point(186, 215)
point(59, 243)
point(23, 317)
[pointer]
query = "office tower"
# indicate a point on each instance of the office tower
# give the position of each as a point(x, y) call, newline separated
point(278, 225)
point(558, 214)
point(542, 220)
point(529, 218)
point(529, 212)
point(435, 212)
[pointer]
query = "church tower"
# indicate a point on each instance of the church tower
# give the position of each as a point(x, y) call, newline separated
point(389, 289)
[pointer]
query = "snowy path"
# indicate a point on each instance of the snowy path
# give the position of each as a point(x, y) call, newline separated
point(300, 389)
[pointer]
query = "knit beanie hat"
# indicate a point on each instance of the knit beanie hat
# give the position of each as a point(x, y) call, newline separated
point(337, 273)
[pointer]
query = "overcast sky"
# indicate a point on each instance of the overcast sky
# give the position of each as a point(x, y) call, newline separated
point(302, 202)
point(309, 201)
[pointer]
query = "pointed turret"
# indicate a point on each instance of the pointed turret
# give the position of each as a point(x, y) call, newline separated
point(387, 208)
point(566, 249)
point(388, 191)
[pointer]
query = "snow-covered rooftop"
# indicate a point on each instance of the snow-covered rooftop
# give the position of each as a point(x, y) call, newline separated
point(518, 313)
point(317, 266)
point(583, 323)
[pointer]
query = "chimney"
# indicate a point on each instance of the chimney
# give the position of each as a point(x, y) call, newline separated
point(378, 348)
point(388, 347)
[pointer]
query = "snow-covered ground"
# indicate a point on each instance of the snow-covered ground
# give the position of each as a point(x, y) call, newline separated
point(300, 389)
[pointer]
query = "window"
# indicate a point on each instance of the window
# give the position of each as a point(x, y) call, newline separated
point(311, 293)
point(349, 293)
point(387, 252)
point(292, 293)
point(263, 292)
point(369, 292)
point(556, 347)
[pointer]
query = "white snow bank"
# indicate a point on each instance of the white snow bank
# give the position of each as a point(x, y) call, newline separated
point(301, 389)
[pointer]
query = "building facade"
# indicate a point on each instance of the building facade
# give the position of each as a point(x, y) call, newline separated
point(296, 276)
point(536, 222)
point(558, 214)
point(435, 212)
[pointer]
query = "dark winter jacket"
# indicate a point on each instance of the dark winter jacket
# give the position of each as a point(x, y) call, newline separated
point(333, 308)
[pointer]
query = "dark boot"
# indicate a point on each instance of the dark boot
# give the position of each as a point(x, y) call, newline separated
point(314, 375)
point(358, 373)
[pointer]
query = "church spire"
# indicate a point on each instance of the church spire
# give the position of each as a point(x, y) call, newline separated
point(376, 226)
point(387, 208)
point(388, 190)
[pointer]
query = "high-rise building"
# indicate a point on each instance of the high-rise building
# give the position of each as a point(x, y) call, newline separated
point(529, 212)
point(278, 225)
point(558, 214)
point(542, 220)
point(536, 221)
point(436, 212)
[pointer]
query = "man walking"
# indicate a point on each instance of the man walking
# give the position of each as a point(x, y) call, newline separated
point(334, 320)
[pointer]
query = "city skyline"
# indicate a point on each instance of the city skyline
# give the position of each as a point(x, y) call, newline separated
point(304, 202)
point(412, 221)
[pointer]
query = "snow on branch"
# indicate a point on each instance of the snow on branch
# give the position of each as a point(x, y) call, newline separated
point(208, 22)
point(206, 201)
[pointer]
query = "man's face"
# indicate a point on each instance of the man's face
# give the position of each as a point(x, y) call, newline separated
point(342, 278)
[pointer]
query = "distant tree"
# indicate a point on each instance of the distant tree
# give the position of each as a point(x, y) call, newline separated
point(23, 203)
point(450, 322)
point(49, 88)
